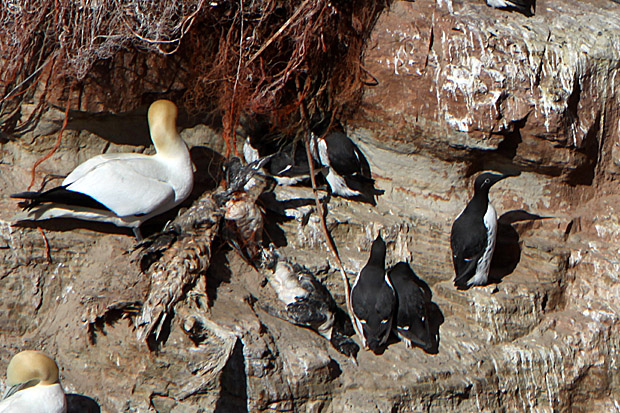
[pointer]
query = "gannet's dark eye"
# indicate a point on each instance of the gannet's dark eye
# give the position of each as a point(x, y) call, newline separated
point(486, 181)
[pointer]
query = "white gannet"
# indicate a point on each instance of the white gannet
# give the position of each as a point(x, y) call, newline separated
point(33, 385)
point(124, 189)
point(348, 170)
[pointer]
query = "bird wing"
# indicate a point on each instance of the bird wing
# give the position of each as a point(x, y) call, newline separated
point(364, 298)
point(19, 386)
point(127, 186)
point(525, 7)
point(15, 403)
point(468, 242)
point(58, 195)
point(522, 4)
point(374, 306)
point(307, 311)
point(410, 298)
point(411, 318)
point(385, 303)
point(359, 303)
point(345, 157)
point(363, 162)
point(92, 163)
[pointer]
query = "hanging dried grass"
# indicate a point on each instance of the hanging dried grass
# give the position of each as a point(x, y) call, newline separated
point(239, 56)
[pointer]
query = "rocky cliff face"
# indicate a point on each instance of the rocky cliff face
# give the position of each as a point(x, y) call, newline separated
point(461, 88)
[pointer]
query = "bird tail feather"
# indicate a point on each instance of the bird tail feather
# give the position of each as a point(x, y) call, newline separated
point(26, 195)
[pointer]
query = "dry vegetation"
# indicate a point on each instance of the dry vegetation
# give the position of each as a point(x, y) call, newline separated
point(256, 56)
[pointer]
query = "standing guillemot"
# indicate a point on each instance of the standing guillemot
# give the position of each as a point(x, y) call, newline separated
point(348, 172)
point(526, 7)
point(411, 322)
point(33, 385)
point(124, 189)
point(473, 235)
point(373, 299)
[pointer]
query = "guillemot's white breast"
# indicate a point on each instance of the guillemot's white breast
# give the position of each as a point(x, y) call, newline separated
point(473, 235)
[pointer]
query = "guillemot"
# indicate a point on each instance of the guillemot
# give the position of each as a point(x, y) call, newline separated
point(125, 189)
point(288, 165)
point(411, 323)
point(33, 385)
point(287, 161)
point(348, 173)
point(526, 7)
point(373, 299)
point(473, 235)
point(308, 303)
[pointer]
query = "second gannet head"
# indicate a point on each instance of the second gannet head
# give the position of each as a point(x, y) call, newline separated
point(32, 365)
point(162, 118)
point(33, 385)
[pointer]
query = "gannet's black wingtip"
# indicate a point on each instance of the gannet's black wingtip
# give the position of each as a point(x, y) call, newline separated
point(25, 195)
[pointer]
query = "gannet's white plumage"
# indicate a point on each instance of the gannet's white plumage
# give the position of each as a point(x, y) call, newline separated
point(33, 385)
point(130, 187)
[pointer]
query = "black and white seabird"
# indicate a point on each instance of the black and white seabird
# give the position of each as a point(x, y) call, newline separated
point(473, 235)
point(288, 165)
point(124, 189)
point(287, 161)
point(308, 303)
point(526, 7)
point(373, 299)
point(411, 322)
point(348, 172)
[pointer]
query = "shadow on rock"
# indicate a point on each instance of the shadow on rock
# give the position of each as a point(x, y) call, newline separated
point(123, 128)
point(434, 317)
point(272, 230)
point(279, 211)
point(78, 403)
point(342, 334)
point(127, 128)
point(435, 320)
point(219, 270)
point(270, 202)
point(234, 393)
point(507, 245)
point(208, 173)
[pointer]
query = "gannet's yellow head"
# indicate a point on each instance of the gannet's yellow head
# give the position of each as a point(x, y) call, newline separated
point(163, 127)
point(163, 111)
point(32, 365)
